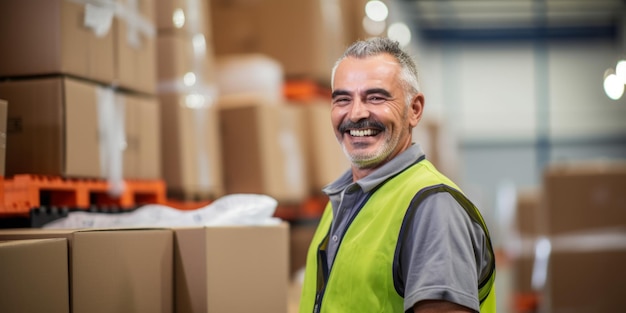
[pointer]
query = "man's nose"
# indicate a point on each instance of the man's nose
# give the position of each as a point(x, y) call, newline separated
point(358, 111)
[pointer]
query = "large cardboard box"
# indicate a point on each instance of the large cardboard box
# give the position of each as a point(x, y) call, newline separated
point(34, 276)
point(50, 37)
point(191, 148)
point(135, 46)
point(181, 16)
point(74, 128)
point(143, 137)
point(114, 270)
point(326, 158)
point(262, 148)
point(235, 269)
point(585, 195)
point(178, 57)
point(585, 273)
point(306, 36)
point(109, 43)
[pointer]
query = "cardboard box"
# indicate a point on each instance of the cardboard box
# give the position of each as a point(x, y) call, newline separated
point(52, 127)
point(262, 149)
point(3, 134)
point(587, 275)
point(34, 276)
point(191, 148)
point(50, 37)
point(143, 137)
point(233, 269)
point(108, 44)
point(135, 47)
point(181, 16)
point(585, 195)
point(306, 36)
point(177, 57)
point(121, 270)
point(56, 126)
point(326, 158)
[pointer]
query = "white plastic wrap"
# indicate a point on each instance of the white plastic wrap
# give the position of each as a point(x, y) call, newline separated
point(235, 209)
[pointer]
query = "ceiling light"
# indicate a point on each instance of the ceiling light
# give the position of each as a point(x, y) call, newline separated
point(613, 85)
point(399, 32)
point(189, 79)
point(620, 70)
point(178, 18)
point(376, 10)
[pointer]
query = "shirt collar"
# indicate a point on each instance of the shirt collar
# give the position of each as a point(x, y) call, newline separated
point(371, 181)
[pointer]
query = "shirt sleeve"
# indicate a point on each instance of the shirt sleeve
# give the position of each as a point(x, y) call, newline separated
point(443, 254)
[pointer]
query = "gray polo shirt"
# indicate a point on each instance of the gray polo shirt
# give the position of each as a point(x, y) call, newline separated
point(444, 252)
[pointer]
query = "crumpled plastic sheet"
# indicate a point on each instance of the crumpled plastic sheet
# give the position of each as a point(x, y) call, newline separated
point(235, 209)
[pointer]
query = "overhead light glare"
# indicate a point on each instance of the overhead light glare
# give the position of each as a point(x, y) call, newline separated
point(178, 18)
point(376, 10)
point(189, 79)
point(613, 85)
point(399, 32)
point(620, 70)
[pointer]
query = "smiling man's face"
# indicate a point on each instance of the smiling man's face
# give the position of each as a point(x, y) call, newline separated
point(370, 117)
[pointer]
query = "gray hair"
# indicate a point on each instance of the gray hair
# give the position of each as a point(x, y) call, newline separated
point(380, 45)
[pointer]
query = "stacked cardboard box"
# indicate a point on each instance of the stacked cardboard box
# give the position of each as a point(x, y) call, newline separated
point(81, 80)
point(217, 267)
point(191, 139)
point(585, 220)
point(93, 270)
point(580, 211)
point(183, 269)
point(306, 37)
point(262, 148)
point(34, 276)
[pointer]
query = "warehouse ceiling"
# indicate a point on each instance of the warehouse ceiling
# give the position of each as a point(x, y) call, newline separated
point(514, 19)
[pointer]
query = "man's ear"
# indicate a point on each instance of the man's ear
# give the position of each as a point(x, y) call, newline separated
point(416, 109)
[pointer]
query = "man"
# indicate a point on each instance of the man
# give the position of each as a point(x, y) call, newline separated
point(396, 235)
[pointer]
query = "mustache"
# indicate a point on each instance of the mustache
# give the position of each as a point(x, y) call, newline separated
point(361, 124)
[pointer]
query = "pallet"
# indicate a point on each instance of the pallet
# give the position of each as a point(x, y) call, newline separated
point(22, 193)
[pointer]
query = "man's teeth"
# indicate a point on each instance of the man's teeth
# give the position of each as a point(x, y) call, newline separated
point(361, 133)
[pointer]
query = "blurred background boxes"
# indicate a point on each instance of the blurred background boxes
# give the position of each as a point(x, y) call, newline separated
point(306, 37)
point(262, 148)
point(109, 273)
point(579, 210)
point(34, 276)
point(104, 42)
point(587, 275)
point(49, 36)
point(191, 148)
point(585, 195)
point(67, 127)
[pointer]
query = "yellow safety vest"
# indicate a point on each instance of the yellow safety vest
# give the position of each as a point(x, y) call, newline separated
point(364, 261)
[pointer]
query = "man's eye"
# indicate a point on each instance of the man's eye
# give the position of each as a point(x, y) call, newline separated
point(342, 101)
point(375, 99)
